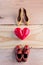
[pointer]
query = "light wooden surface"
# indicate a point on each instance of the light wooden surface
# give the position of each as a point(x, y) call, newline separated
point(9, 10)
point(9, 39)
point(7, 57)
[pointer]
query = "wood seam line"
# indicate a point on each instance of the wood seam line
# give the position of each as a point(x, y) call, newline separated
point(17, 25)
point(13, 46)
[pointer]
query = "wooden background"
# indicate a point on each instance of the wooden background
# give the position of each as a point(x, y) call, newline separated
point(8, 40)
point(9, 10)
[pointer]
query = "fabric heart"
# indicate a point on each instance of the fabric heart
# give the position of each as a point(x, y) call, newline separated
point(22, 34)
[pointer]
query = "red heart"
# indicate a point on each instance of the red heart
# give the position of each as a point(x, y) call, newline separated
point(22, 34)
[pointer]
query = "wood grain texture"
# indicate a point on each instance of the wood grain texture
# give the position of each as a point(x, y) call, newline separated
point(8, 39)
point(9, 10)
point(7, 57)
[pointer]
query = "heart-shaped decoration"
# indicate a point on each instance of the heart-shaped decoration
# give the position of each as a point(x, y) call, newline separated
point(22, 34)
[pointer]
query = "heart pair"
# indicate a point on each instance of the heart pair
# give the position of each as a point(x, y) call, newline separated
point(22, 53)
point(22, 34)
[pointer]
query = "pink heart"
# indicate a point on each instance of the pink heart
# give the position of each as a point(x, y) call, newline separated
point(22, 34)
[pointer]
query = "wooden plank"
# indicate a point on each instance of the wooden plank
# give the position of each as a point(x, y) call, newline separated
point(7, 57)
point(8, 39)
point(9, 10)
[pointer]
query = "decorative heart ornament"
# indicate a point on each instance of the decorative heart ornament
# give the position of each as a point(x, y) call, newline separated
point(22, 34)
